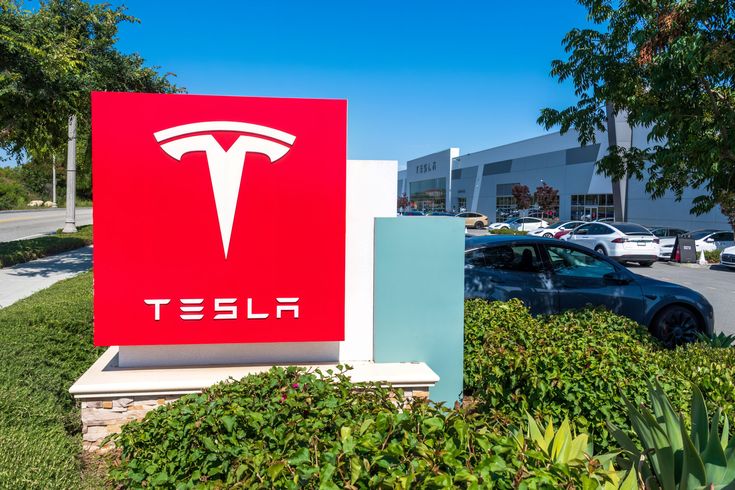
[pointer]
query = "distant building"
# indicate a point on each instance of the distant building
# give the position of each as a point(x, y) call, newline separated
point(482, 182)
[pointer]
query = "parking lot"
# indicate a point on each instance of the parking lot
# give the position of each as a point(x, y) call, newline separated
point(716, 283)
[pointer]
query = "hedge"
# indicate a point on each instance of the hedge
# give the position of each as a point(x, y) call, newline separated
point(20, 251)
point(577, 365)
point(289, 428)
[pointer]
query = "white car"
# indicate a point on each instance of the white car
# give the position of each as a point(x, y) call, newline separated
point(520, 224)
point(709, 240)
point(552, 230)
point(667, 238)
point(727, 258)
point(624, 242)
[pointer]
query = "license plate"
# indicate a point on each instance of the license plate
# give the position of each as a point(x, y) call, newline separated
point(641, 244)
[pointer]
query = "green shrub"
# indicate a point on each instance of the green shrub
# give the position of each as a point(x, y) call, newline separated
point(20, 251)
point(507, 231)
point(712, 256)
point(291, 429)
point(13, 194)
point(570, 365)
point(46, 344)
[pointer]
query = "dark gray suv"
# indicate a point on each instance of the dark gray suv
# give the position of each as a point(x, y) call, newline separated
point(550, 276)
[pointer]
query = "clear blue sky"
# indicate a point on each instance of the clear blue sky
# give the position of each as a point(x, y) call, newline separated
point(419, 76)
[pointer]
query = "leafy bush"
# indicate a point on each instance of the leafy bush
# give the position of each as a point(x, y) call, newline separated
point(712, 256)
point(291, 429)
point(46, 345)
point(20, 251)
point(507, 231)
point(577, 363)
point(13, 194)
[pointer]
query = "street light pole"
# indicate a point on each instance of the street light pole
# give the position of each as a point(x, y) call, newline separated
point(71, 177)
point(53, 179)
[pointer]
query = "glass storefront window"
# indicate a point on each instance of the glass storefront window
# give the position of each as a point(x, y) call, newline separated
point(429, 195)
point(591, 207)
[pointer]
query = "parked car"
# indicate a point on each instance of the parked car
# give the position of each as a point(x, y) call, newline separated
point(520, 224)
point(412, 213)
point(474, 220)
point(667, 238)
point(727, 257)
point(550, 276)
point(709, 240)
point(551, 231)
point(624, 242)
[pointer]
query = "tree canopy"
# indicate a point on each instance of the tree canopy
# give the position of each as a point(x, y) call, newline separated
point(51, 58)
point(670, 64)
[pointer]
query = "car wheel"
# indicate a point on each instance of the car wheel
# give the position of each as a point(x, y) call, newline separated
point(600, 250)
point(548, 235)
point(478, 225)
point(676, 325)
point(646, 263)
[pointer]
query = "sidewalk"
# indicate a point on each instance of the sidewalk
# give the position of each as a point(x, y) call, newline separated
point(22, 280)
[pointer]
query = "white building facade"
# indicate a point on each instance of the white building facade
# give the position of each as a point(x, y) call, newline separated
point(482, 182)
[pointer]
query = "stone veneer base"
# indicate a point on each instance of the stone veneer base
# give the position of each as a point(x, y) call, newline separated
point(111, 396)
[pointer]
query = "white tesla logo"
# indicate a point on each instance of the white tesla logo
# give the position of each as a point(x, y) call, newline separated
point(225, 167)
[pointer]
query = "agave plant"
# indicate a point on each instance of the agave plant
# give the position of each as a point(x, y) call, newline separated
point(719, 340)
point(672, 458)
point(562, 447)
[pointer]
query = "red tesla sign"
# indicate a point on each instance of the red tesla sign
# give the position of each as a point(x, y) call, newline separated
point(218, 219)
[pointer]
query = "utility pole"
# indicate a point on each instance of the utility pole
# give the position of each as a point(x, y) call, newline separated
point(71, 177)
point(53, 179)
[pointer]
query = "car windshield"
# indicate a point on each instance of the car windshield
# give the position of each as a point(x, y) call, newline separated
point(697, 235)
point(631, 229)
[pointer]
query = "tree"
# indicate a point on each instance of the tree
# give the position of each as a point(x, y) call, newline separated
point(547, 199)
point(50, 61)
point(522, 196)
point(670, 65)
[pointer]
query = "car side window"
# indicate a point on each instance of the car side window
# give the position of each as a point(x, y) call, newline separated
point(583, 230)
point(575, 263)
point(475, 258)
point(518, 258)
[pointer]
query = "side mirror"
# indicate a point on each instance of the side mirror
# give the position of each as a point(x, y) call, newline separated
point(617, 278)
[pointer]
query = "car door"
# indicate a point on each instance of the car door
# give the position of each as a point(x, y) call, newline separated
point(584, 279)
point(580, 236)
point(510, 270)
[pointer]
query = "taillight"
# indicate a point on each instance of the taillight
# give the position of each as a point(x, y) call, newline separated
point(620, 240)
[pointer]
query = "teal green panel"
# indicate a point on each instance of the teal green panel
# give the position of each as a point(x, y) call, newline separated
point(419, 296)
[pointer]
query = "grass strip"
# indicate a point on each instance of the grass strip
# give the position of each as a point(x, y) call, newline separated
point(46, 345)
point(20, 251)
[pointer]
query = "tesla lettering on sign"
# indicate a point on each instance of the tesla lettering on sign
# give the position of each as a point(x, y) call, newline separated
point(218, 219)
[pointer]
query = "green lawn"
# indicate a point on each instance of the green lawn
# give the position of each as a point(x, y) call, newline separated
point(24, 250)
point(46, 344)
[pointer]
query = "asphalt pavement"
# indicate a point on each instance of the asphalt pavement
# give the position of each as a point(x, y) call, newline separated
point(716, 283)
point(19, 225)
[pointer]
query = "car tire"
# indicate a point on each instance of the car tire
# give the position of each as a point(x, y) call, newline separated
point(600, 250)
point(675, 325)
point(548, 235)
point(646, 263)
point(479, 225)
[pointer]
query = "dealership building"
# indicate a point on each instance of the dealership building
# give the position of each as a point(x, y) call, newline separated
point(482, 181)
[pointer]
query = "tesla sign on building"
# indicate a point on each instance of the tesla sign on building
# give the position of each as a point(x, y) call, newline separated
point(218, 219)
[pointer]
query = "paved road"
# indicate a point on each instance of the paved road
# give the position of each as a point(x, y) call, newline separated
point(16, 225)
point(22, 280)
point(715, 283)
